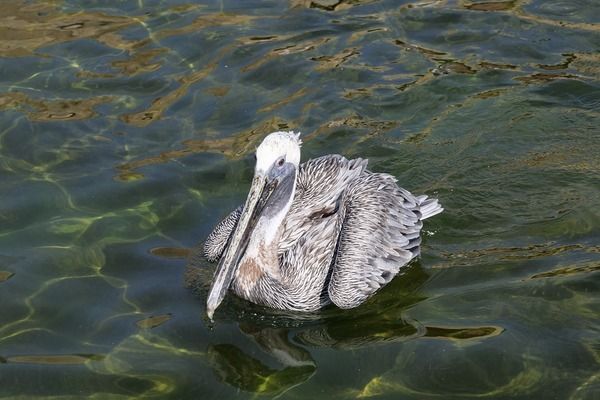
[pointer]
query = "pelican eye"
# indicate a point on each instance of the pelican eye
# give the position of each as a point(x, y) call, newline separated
point(280, 162)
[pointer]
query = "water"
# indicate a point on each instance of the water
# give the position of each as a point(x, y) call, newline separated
point(127, 132)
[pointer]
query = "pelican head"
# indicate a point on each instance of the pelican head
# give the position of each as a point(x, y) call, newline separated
point(268, 201)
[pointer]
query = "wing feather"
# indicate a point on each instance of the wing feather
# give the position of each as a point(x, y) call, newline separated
point(320, 185)
point(380, 234)
point(217, 240)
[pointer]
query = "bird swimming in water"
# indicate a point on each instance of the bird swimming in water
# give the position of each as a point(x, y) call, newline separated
point(325, 231)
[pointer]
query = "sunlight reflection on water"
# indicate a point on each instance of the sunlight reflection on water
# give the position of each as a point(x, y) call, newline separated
point(126, 132)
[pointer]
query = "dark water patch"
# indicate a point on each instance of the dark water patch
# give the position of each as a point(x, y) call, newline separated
point(170, 252)
point(336, 60)
point(583, 94)
point(127, 176)
point(564, 12)
point(543, 78)
point(141, 62)
point(262, 38)
point(491, 65)
point(232, 147)
point(491, 6)
point(328, 5)
point(520, 253)
point(154, 321)
point(41, 110)
point(567, 271)
point(420, 49)
point(160, 104)
point(6, 275)
point(587, 64)
point(371, 127)
point(219, 91)
point(288, 99)
point(31, 27)
point(489, 93)
point(453, 67)
point(61, 359)
point(569, 58)
point(135, 385)
point(461, 333)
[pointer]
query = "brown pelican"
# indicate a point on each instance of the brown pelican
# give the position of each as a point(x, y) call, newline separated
point(325, 231)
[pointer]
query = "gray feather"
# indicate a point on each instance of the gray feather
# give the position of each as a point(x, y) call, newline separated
point(347, 234)
point(217, 240)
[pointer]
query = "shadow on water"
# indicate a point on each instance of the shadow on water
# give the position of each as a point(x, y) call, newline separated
point(286, 340)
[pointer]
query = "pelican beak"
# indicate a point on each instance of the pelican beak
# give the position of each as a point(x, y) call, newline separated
point(238, 241)
point(268, 194)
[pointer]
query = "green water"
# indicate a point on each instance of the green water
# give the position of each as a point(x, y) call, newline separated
point(127, 131)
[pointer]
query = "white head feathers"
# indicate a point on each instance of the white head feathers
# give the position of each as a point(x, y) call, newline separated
point(276, 145)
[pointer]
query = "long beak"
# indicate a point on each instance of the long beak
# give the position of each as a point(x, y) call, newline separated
point(227, 266)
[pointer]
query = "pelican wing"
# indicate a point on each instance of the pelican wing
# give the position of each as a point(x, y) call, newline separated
point(380, 234)
point(320, 185)
point(217, 240)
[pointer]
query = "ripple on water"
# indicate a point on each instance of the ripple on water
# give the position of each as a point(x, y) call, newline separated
point(126, 133)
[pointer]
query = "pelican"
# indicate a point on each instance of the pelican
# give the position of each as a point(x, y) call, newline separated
point(325, 231)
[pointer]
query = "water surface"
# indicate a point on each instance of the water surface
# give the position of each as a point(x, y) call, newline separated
point(127, 132)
